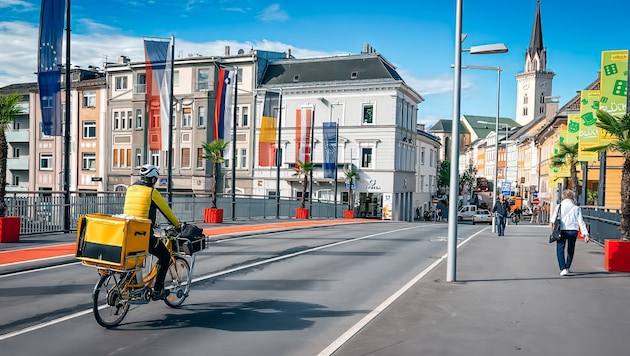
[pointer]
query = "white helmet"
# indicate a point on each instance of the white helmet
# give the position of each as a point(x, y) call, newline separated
point(149, 171)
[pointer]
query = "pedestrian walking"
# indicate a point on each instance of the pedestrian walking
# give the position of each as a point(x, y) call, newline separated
point(501, 210)
point(571, 222)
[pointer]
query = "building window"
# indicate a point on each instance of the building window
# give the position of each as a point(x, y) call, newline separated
point(141, 84)
point(368, 114)
point(89, 99)
point(243, 157)
point(89, 129)
point(116, 123)
point(366, 157)
point(129, 119)
point(120, 83)
point(245, 116)
point(201, 116)
point(139, 118)
point(525, 99)
point(187, 117)
point(16, 152)
point(123, 120)
point(199, 157)
point(138, 157)
point(175, 78)
point(89, 161)
point(16, 180)
point(203, 79)
point(45, 162)
point(185, 158)
point(525, 111)
point(155, 158)
point(422, 156)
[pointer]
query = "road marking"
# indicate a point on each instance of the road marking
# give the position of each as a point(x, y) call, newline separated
point(213, 275)
point(389, 301)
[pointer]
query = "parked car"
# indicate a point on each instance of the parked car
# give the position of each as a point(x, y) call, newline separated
point(466, 212)
point(482, 216)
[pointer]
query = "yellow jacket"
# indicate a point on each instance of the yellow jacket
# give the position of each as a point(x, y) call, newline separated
point(143, 201)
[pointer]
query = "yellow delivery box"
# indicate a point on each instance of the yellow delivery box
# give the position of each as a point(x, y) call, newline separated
point(116, 242)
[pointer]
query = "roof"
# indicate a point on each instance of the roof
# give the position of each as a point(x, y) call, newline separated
point(536, 41)
point(482, 129)
point(329, 69)
point(21, 88)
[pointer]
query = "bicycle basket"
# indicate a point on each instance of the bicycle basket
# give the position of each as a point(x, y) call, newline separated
point(191, 245)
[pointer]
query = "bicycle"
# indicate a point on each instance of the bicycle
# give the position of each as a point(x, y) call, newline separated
point(515, 218)
point(117, 289)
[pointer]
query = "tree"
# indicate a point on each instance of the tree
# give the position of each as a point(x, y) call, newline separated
point(618, 127)
point(567, 155)
point(444, 175)
point(303, 170)
point(213, 152)
point(9, 110)
point(352, 176)
point(468, 179)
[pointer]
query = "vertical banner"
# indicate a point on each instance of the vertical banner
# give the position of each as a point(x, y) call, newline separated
point(49, 65)
point(563, 171)
point(303, 122)
point(573, 129)
point(330, 148)
point(268, 131)
point(589, 133)
point(159, 66)
point(223, 108)
point(613, 86)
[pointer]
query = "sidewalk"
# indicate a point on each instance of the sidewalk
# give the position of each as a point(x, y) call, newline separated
point(50, 249)
point(508, 299)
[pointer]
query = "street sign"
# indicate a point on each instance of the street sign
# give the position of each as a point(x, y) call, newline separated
point(506, 189)
point(535, 194)
point(536, 200)
point(435, 200)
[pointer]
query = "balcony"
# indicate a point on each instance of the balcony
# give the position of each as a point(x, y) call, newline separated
point(18, 164)
point(17, 136)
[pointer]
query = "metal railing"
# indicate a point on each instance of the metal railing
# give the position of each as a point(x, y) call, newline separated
point(43, 212)
point(603, 222)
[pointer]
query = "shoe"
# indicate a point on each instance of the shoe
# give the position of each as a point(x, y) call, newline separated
point(564, 272)
point(160, 294)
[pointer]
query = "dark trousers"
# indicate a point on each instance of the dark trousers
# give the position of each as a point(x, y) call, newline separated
point(157, 249)
point(500, 224)
point(567, 238)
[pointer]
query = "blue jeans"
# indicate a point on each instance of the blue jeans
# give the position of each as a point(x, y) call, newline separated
point(500, 224)
point(568, 238)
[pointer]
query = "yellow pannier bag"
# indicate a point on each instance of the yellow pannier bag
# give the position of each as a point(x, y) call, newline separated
point(116, 242)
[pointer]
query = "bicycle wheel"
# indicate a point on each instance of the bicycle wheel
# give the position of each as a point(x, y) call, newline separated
point(109, 306)
point(177, 282)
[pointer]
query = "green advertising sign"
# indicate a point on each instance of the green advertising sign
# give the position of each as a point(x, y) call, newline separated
point(588, 132)
point(614, 86)
point(573, 128)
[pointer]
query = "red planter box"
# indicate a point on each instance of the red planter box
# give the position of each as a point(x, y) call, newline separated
point(213, 215)
point(301, 213)
point(617, 255)
point(348, 214)
point(10, 229)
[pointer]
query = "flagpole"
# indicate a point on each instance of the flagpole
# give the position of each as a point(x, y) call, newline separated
point(278, 155)
point(336, 158)
point(310, 185)
point(66, 144)
point(234, 144)
point(169, 182)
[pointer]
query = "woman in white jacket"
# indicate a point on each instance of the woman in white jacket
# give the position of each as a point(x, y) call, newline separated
point(571, 221)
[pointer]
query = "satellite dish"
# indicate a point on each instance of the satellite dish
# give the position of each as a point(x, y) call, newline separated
point(241, 51)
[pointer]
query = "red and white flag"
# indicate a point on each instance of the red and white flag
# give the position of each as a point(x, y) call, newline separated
point(303, 122)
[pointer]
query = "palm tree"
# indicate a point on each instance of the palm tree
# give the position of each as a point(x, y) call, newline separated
point(567, 155)
point(213, 153)
point(8, 111)
point(618, 127)
point(351, 176)
point(303, 170)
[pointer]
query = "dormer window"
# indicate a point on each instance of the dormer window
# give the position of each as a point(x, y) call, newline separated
point(296, 78)
point(354, 75)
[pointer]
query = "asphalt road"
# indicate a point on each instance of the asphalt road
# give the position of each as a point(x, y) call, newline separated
point(281, 293)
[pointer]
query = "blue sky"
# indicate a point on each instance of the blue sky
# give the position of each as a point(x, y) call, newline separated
point(417, 36)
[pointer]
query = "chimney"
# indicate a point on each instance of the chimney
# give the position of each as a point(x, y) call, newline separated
point(289, 53)
point(227, 50)
point(123, 60)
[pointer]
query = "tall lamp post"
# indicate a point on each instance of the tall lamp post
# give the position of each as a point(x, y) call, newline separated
point(454, 167)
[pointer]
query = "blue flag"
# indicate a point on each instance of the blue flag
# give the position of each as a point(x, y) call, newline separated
point(330, 148)
point(49, 65)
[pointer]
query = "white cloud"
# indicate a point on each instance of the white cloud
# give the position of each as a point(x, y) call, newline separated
point(273, 13)
point(15, 3)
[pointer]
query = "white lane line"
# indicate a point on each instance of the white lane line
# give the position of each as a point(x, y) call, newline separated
point(213, 275)
point(389, 301)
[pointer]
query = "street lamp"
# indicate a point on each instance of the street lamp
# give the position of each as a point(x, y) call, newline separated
point(454, 168)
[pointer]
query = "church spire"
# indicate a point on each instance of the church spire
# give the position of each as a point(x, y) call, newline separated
point(536, 42)
point(536, 54)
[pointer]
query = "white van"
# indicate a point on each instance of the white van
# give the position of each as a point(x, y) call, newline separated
point(466, 212)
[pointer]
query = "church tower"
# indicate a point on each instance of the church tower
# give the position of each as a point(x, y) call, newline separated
point(534, 83)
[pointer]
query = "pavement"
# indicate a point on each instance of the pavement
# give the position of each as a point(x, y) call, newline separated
point(508, 297)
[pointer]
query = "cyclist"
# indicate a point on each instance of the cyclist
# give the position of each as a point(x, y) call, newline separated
point(142, 200)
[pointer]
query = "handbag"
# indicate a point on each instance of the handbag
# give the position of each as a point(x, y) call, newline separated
point(555, 233)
